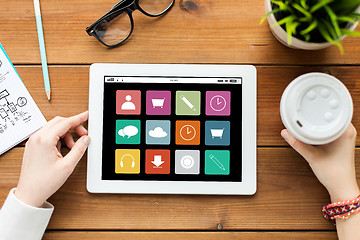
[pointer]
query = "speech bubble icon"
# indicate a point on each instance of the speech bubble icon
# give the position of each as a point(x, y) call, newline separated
point(128, 131)
point(121, 132)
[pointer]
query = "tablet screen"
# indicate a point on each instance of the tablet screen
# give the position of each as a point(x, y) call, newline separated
point(172, 129)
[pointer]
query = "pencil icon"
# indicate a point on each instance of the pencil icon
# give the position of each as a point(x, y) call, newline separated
point(217, 162)
point(187, 102)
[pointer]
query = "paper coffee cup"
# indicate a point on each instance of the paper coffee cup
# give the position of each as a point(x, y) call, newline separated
point(316, 108)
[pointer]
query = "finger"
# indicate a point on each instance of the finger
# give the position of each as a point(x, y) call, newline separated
point(81, 130)
point(346, 140)
point(54, 121)
point(69, 141)
point(353, 132)
point(350, 133)
point(51, 123)
point(58, 146)
point(65, 125)
point(304, 149)
point(77, 151)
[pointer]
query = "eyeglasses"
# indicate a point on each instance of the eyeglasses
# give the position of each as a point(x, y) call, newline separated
point(116, 26)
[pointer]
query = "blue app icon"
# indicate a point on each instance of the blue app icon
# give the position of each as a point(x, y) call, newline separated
point(158, 132)
point(217, 133)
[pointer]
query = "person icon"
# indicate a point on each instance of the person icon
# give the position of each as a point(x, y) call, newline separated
point(128, 105)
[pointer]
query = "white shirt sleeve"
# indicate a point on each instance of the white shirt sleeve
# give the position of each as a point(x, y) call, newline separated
point(21, 221)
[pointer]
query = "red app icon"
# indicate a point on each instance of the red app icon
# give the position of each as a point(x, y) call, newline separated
point(157, 161)
point(128, 102)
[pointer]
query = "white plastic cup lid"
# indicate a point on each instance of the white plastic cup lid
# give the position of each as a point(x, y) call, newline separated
point(316, 108)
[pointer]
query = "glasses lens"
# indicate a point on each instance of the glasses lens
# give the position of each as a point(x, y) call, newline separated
point(114, 28)
point(155, 7)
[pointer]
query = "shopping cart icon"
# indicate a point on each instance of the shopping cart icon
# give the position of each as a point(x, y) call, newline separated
point(158, 102)
point(217, 133)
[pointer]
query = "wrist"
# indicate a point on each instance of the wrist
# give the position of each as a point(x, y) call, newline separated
point(341, 209)
point(28, 199)
point(344, 194)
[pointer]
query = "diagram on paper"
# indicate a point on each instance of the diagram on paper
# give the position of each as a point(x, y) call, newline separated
point(12, 111)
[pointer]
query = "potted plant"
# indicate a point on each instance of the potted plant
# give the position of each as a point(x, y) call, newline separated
point(312, 24)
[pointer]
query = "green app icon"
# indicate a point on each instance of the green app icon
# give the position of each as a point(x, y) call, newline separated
point(127, 131)
point(217, 162)
point(188, 103)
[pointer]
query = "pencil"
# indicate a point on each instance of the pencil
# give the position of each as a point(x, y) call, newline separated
point(187, 102)
point(42, 49)
point(217, 162)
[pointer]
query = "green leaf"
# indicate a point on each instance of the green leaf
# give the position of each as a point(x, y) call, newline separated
point(333, 20)
point(345, 7)
point(293, 27)
point(346, 19)
point(291, 30)
point(281, 4)
point(311, 27)
point(330, 29)
point(355, 15)
point(284, 20)
point(302, 10)
point(348, 32)
point(307, 37)
point(327, 37)
point(289, 33)
point(319, 5)
point(323, 31)
point(304, 5)
point(268, 14)
point(303, 19)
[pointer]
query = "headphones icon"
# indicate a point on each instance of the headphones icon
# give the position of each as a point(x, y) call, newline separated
point(122, 163)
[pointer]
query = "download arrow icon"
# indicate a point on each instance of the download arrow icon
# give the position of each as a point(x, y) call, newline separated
point(157, 161)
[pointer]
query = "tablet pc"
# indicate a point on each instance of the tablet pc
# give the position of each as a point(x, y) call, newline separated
point(172, 129)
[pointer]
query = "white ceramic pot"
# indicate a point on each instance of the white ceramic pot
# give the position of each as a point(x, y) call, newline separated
point(281, 35)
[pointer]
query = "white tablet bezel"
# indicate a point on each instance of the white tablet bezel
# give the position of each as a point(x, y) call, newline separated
point(96, 90)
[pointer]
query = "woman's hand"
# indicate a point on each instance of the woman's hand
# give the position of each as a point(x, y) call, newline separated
point(333, 163)
point(44, 170)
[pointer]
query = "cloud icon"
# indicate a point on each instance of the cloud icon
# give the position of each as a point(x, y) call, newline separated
point(158, 132)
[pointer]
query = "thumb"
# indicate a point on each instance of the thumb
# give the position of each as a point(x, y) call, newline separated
point(303, 149)
point(78, 150)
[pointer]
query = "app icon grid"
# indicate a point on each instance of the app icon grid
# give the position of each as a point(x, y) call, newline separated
point(165, 132)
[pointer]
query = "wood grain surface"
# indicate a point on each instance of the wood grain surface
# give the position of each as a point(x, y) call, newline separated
point(213, 31)
point(190, 235)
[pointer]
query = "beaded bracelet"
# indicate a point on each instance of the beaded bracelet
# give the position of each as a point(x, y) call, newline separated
point(341, 209)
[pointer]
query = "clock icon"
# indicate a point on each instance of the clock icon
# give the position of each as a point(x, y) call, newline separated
point(218, 103)
point(187, 132)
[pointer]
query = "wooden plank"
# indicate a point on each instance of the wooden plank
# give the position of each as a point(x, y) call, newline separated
point(70, 87)
point(289, 197)
point(212, 32)
point(191, 235)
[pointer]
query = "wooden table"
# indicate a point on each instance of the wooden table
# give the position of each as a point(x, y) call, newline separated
point(289, 198)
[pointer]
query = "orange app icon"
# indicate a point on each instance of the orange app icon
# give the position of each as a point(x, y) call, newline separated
point(157, 161)
point(187, 133)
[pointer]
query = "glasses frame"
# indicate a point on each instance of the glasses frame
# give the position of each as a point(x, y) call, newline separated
point(127, 6)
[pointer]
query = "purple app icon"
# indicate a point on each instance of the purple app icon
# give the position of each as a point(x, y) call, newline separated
point(218, 103)
point(158, 102)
